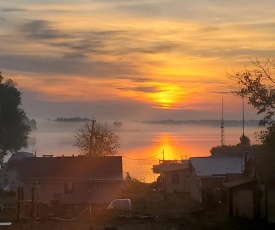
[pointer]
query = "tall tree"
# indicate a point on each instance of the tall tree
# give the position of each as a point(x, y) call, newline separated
point(258, 85)
point(96, 139)
point(13, 131)
point(245, 141)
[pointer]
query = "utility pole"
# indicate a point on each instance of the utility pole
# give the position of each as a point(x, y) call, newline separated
point(222, 128)
point(91, 150)
point(243, 115)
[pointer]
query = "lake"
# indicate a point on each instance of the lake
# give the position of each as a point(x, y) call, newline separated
point(142, 145)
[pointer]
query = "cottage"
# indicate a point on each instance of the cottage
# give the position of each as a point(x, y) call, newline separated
point(174, 175)
point(72, 180)
point(253, 195)
point(209, 173)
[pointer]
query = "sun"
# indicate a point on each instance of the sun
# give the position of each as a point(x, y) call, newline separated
point(168, 96)
point(164, 95)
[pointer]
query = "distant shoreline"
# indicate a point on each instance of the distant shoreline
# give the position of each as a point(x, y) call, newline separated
point(212, 123)
point(71, 119)
point(228, 123)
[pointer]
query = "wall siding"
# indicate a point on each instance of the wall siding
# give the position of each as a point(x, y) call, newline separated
point(96, 192)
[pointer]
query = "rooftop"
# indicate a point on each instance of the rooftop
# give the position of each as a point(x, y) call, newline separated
point(54, 168)
point(216, 166)
point(169, 166)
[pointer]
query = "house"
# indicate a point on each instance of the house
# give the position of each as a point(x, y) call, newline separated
point(207, 175)
point(72, 180)
point(174, 175)
point(253, 195)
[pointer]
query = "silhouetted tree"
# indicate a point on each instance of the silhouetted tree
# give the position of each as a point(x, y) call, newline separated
point(96, 139)
point(13, 130)
point(245, 141)
point(236, 150)
point(258, 86)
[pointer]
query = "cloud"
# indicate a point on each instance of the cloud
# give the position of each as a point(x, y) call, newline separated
point(161, 47)
point(136, 48)
point(141, 79)
point(148, 89)
point(88, 43)
point(53, 65)
point(258, 27)
point(143, 89)
point(41, 29)
point(9, 10)
point(222, 52)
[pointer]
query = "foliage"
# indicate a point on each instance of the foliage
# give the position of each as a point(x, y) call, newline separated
point(245, 141)
point(13, 130)
point(258, 87)
point(268, 138)
point(31, 123)
point(96, 139)
point(236, 150)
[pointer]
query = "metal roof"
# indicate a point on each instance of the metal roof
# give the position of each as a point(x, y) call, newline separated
point(241, 181)
point(216, 166)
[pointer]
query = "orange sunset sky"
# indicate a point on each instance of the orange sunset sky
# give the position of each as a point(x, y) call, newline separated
point(136, 60)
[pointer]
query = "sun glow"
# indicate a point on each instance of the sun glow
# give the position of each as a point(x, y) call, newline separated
point(169, 148)
point(169, 96)
point(165, 146)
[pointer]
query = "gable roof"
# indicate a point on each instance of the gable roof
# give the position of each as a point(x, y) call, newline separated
point(239, 182)
point(216, 166)
point(62, 168)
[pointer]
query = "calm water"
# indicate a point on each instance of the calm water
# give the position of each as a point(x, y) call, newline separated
point(142, 145)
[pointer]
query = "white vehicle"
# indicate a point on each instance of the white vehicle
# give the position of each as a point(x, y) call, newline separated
point(120, 204)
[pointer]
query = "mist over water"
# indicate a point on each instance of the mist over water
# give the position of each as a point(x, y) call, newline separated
point(142, 144)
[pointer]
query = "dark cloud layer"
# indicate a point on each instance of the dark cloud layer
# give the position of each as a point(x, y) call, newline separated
point(51, 65)
point(144, 89)
point(9, 10)
point(96, 42)
point(41, 29)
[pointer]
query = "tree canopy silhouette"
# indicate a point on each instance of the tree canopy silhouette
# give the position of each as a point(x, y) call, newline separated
point(13, 130)
point(258, 86)
point(97, 139)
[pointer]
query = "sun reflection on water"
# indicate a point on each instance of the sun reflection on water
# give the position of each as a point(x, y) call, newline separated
point(140, 160)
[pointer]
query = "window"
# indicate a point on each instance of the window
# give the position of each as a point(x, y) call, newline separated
point(68, 188)
point(175, 178)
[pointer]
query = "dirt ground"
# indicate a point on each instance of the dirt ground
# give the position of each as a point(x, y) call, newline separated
point(150, 210)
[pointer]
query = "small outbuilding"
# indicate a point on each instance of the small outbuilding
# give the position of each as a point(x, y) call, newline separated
point(253, 195)
point(207, 175)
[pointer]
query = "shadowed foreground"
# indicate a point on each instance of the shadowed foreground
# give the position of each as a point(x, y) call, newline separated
point(151, 210)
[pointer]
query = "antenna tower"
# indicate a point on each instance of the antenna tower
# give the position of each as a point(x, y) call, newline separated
point(243, 114)
point(222, 127)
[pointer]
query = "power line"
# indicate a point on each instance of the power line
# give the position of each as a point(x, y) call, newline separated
point(142, 159)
